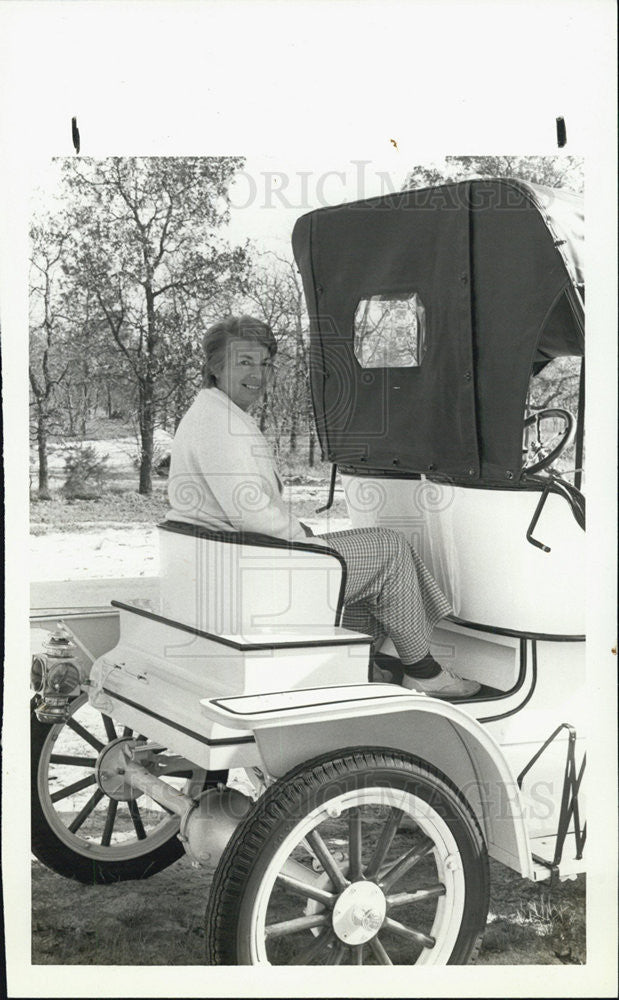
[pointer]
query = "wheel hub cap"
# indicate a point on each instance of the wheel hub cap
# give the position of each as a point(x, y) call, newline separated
point(359, 913)
point(110, 771)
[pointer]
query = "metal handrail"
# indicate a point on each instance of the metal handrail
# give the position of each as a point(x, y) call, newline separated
point(569, 797)
point(331, 495)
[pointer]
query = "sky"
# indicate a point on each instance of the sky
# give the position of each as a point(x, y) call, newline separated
point(270, 193)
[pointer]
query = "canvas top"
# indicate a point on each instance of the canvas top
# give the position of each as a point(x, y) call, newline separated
point(429, 312)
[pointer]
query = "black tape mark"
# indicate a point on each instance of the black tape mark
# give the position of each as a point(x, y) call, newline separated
point(561, 133)
point(75, 133)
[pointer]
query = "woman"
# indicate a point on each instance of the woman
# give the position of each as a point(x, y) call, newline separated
point(223, 476)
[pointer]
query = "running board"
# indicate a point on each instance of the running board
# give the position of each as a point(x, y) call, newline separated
point(543, 850)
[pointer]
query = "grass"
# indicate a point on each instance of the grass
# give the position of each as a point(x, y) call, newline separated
point(534, 923)
point(294, 466)
point(120, 503)
point(117, 504)
point(542, 915)
point(119, 925)
point(109, 429)
point(159, 921)
point(126, 923)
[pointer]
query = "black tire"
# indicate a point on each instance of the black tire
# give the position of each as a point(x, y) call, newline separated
point(426, 827)
point(139, 841)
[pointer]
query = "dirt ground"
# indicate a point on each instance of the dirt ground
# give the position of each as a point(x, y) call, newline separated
point(160, 921)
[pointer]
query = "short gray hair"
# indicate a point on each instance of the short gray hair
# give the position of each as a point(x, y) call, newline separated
point(221, 333)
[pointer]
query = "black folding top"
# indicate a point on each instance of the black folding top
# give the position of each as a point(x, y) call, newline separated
point(492, 272)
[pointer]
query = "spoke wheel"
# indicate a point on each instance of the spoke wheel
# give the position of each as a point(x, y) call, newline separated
point(87, 827)
point(371, 858)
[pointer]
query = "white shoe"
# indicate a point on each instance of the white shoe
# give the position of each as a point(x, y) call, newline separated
point(444, 685)
point(380, 676)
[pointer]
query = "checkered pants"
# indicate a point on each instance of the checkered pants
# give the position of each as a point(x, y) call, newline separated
point(388, 590)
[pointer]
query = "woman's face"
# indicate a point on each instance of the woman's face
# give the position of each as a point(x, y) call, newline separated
point(244, 372)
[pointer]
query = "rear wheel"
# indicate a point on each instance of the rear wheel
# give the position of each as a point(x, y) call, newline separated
point(86, 827)
point(370, 858)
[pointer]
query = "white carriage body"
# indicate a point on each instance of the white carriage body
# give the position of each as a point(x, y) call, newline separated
point(474, 543)
point(520, 612)
point(232, 659)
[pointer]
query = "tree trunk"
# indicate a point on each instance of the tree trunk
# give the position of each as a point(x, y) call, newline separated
point(146, 416)
point(85, 408)
point(147, 392)
point(110, 408)
point(44, 493)
point(297, 378)
point(312, 446)
point(70, 414)
point(293, 430)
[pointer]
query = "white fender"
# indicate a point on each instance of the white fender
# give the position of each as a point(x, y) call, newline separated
point(292, 727)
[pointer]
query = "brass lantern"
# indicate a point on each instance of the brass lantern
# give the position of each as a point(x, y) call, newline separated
point(55, 676)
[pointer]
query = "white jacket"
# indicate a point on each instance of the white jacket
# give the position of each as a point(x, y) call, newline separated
point(222, 472)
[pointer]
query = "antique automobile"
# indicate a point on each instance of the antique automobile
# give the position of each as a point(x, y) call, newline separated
point(223, 711)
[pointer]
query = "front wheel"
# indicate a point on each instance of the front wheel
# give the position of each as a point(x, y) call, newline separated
point(368, 858)
point(86, 825)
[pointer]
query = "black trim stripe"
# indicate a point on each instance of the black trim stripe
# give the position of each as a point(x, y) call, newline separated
point(354, 640)
point(98, 612)
point(315, 687)
point(227, 741)
point(261, 541)
point(297, 708)
point(521, 678)
point(499, 630)
point(223, 703)
point(492, 696)
point(364, 473)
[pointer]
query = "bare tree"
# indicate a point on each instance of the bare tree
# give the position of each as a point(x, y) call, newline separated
point(275, 294)
point(48, 365)
point(91, 369)
point(143, 238)
point(550, 171)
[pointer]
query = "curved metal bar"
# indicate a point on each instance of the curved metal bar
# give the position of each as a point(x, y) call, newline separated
point(331, 495)
point(538, 510)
